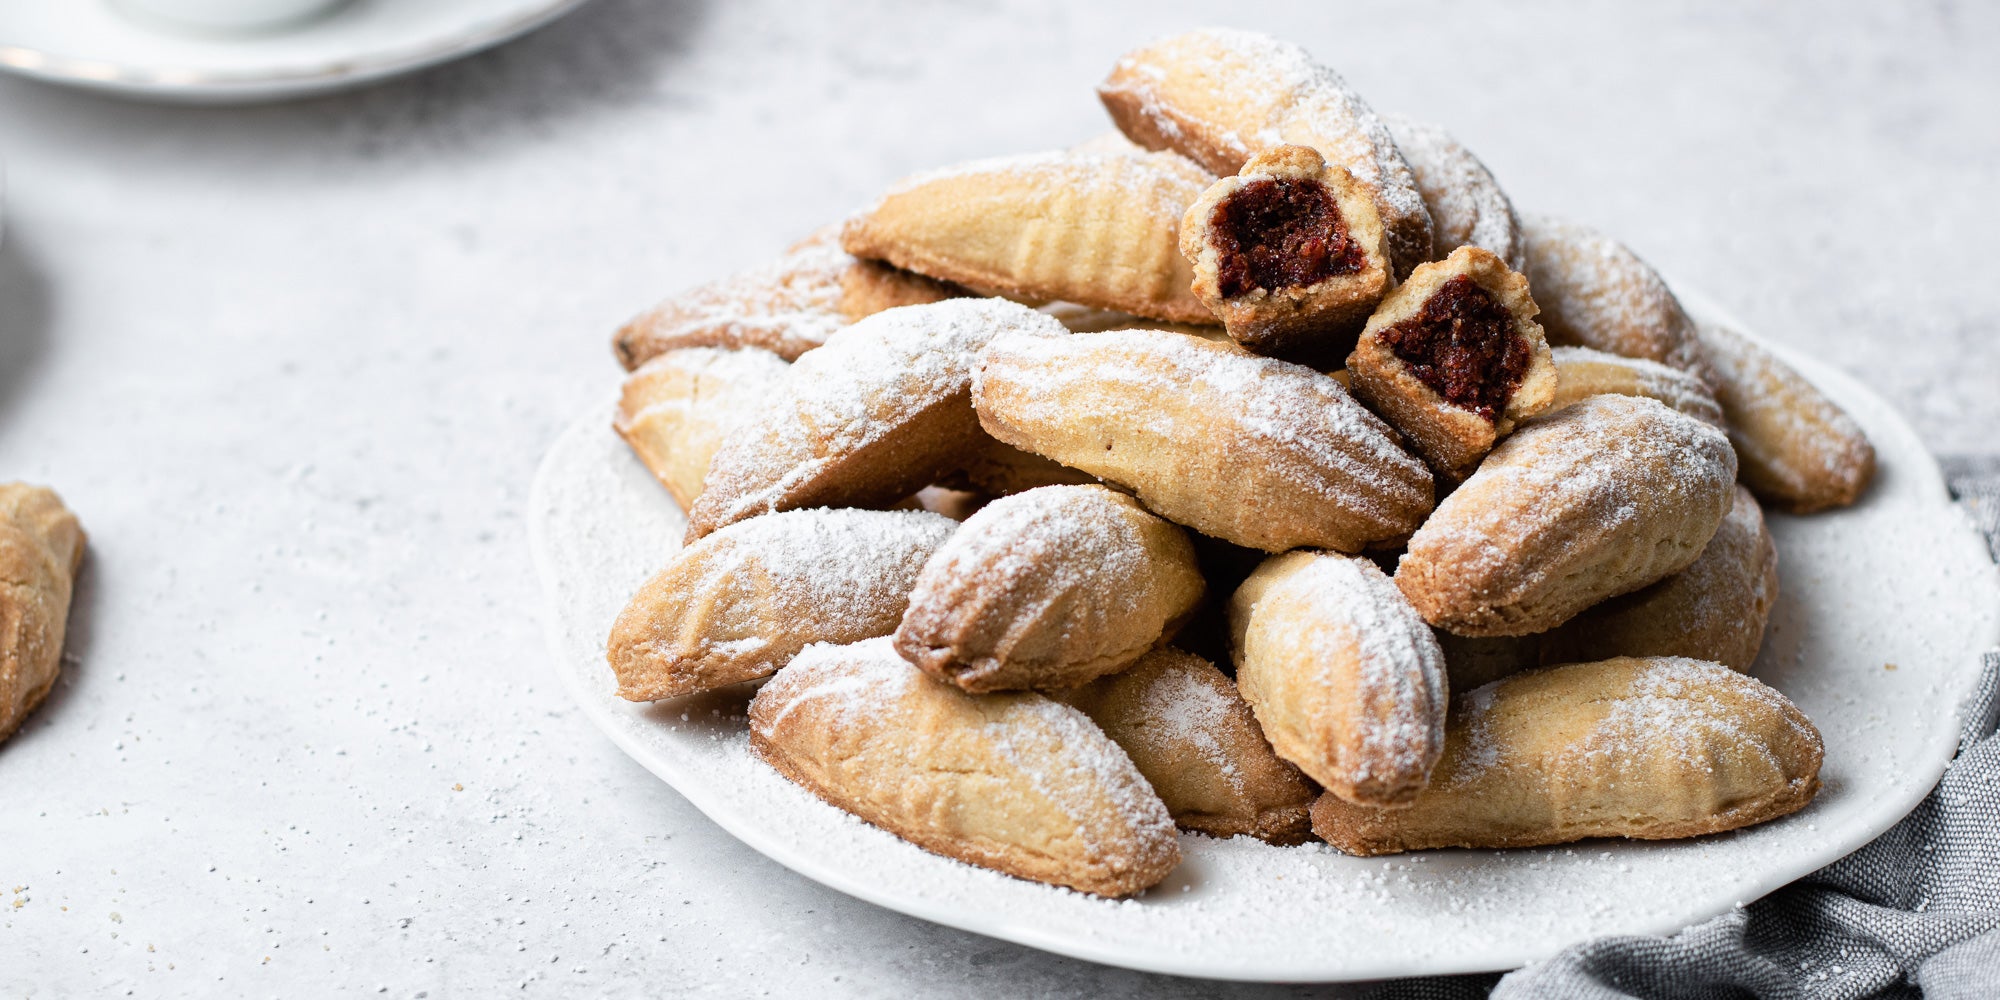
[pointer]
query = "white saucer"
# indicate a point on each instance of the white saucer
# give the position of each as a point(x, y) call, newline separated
point(1883, 610)
point(87, 43)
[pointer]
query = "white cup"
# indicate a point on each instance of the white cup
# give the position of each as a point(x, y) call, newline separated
point(230, 15)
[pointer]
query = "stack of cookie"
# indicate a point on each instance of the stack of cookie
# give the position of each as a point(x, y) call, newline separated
point(1175, 479)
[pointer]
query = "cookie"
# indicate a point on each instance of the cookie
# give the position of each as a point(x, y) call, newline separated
point(1800, 452)
point(1467, 206)
point(1345, 678)
point(1095, 229)
point(1598, 499)
point(879, 412)
point(788, 306)
point(739, 603)
point(1049, 589)
point(1196, 741)
point(1715, 609)
point(676, 408)
point(1220, 97)
point(1289, 254)
point(1582, 372)
point(41, 548)
point(1256, 451)
point(1650, 749)
point(1002, 470)
point(1454, 359)
point(1014, 782)
point(1594, 292)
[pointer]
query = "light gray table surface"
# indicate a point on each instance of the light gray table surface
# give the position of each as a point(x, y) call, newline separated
point(294, 367)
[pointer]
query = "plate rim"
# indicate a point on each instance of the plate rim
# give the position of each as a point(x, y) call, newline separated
point(189, 85)
point(1930, 480)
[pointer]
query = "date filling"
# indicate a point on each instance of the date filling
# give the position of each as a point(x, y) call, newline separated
point(1281, 233)
point(1462, 344)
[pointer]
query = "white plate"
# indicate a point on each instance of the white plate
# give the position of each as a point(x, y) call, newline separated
point(87, 43)
point(1899, 579)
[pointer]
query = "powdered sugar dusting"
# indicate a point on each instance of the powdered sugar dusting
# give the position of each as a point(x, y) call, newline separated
point(1467, 206)
point(1401, 685)
point(1315, 436)
point(789, 306)
point(852, 685)
point(1082, 549)
point(868, 687)
point(1606, 467)
point(1596, 292)
point(866, 382)
point(1195, 714)
point(1681, 710)
point(1284, 96)
point(837, 565)
point(1676, 388)
point(1671, 709)
point(1795, 442)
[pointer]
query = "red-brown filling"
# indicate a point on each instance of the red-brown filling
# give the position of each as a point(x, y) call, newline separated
point(1281, 233)
point(1462, 344)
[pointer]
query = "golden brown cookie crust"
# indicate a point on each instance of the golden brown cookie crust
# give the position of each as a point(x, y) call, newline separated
point(1014, 782)
point(1596, 500)
point(1582, 372)
point(1305, 318)
point(1095, 229)
point(1715, 609)
point(41, 547)
point(1452, 436)
point(1220, 96)
point(1049, 589)
point(1800, 451)
point(1288, 459)
point(739, 603)
point(676, 408)
point(879, 412)
point(1651, 749)
point(1199, 746)
point(1346, 679)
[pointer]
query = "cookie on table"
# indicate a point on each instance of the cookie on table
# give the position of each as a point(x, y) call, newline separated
point(676, 408)
point(1651, 749)
point(1049, 589)
point(1016, 782)
point(1799, 450)
point(1454, 359)
point(1344, 676)
point(739, 603)
point(1253, 450)
point(41, 548)
point(1220, 97)
point(1090, 228)
point(1467, 206)
point(1289, 253)
point(1598, 499)
point(787, 306)
point(1199, 746)
point(879, 412)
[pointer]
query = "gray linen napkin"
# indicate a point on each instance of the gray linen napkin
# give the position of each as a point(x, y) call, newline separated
point(1916, 913)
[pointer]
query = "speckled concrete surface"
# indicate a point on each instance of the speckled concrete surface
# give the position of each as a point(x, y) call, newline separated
point(294, 367)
